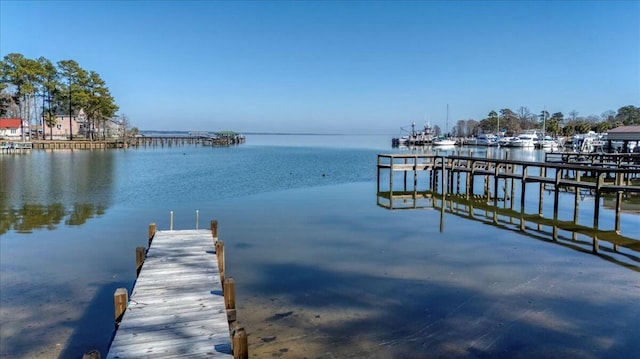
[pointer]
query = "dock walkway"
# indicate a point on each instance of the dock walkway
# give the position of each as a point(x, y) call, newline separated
point(177, 308)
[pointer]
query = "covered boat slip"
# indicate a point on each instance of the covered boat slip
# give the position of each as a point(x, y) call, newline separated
point(177, 308)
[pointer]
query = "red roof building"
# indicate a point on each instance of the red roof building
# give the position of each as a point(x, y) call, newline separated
point(10, 128)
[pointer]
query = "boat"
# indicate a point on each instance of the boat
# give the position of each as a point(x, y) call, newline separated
point(415, 137)
point(444, 142)
point(525, 139)
point(547, 142)
point(486, 139)
point(505, 141)
point(588, 142)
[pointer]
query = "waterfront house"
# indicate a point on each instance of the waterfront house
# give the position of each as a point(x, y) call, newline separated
point(62, 128)
point(11, 128)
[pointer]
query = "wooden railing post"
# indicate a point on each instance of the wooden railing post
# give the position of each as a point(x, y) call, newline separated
point(152, 232)
point(240, 346)
point(214, 229)
point(120, 301)
point(229, 291)
point(141, 254)
point(93, 354)
point(220, 255)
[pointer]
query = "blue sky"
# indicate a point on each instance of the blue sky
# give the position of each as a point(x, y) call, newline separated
point(338, 67)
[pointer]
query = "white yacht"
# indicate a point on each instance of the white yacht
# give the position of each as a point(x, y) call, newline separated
point(487, 139)
point(525, 139)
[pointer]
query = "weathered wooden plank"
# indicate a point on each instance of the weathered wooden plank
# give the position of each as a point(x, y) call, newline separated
point(176, 309)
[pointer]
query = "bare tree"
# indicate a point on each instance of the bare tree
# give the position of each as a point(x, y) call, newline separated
point(573, 115)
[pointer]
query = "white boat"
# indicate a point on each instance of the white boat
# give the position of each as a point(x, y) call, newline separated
point(505, 141)
point(526, 139)
point(487, 139)
point(547, 142)
point(444, 142)
point(588, 142)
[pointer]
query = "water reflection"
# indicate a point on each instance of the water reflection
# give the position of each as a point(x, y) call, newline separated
point(45, 189)
point(622, 250)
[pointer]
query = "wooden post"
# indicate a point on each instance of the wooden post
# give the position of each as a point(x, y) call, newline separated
point(543, 173)
point(444, 182)
point(576, 205)
point(152, 232)
point(214, 229)
point(556, 199)
point(619, 181)
point(120, 301)
point(220, 255)
point(522, 194)
point(391, 179)
point(404, 171)
point(596, 210)
point(141, 254)
point(513, 187)
point(469, 178)
point(496, 182)
point(505, 194)
point(415, 176)
point(240, 346)
point(472, 169)
point(617, 227)
point(229, 291)
point(93, 354)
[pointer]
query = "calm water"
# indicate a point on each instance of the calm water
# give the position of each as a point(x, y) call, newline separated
point(321, 270)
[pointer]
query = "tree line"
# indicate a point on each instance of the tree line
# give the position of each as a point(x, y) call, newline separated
point(36, 90)
point(556, 124)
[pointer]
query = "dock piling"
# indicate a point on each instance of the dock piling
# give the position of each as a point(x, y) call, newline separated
point(240, 346)
point(152, 232)
point(141, 254)
point(120, 301)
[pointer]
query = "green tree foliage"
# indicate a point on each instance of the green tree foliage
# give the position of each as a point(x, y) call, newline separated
point(553, 126)
point(628, 115)
point(602, 127)
point(63, 86)
point(583, 127)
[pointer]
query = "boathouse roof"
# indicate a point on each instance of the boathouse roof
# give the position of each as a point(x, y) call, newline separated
point(622, 133)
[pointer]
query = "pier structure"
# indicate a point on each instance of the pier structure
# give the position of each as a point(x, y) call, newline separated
point(217, 139)
point(15, 146)
point(595, 159)
point(182, 305)
point(473, 180)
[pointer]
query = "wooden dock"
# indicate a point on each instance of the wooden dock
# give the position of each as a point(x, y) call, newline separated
point(178, 307)
point(455, 175)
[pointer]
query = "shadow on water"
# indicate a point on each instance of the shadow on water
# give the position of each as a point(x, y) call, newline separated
point(412, 318)
point(30, 335)
point(94, 330)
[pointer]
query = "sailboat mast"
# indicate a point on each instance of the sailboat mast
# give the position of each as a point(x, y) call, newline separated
point(544, 121)
point(447, 119)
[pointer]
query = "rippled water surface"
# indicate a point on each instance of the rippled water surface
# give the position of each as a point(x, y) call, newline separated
point(321, 270)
